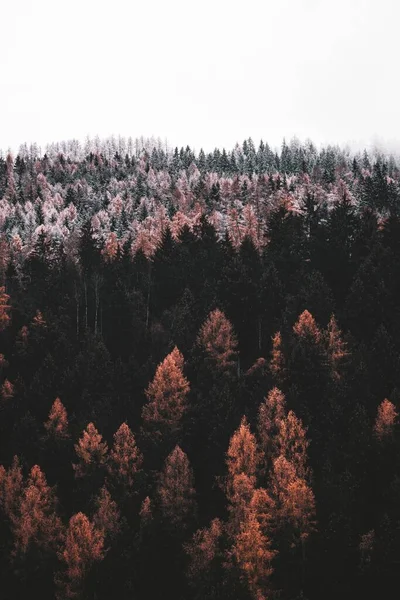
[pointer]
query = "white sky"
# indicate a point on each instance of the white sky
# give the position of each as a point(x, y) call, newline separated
point(206, 73)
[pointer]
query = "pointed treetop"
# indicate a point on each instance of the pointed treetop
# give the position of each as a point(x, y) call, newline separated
point(242, 455)
point(57, 423)
point(306, 327)
point(125, 457)
point(91, 451)
point(217, 338)
point(385, 420)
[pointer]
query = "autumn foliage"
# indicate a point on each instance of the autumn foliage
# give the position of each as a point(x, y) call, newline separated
point(57, 423)
point(166, 397)
point(91, 451)
point(217, 338)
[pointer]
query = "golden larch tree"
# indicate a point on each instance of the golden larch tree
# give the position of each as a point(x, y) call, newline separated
point(277, 362)
point(270, 414)
point(5, 309)
point(84, 545)
point(385, 420)
point(217, 339)
point(125, 457)
point(307, 328)
point(166, 398)
point(36, 522)
point(336, 347)
point(107, 516)
point(176, 490)
point(91, 451)
point(57, 423)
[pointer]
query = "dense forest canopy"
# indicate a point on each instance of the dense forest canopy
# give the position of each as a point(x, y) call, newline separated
point(199, 372)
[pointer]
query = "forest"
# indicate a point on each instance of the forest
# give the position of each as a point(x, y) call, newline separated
point(199, 372)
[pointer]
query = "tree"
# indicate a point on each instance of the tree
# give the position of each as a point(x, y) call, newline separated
point(242, 455)
point(337, 347)
point(202, 550)
point(306, 327)
point(84, 545)
point(176, 491)
point(166, 396)
point(217, 338)
point(125, 457)
point(11, 486)
point(270, 415)
point(5, 309)
point(385, 420)
point(253, 555)
point(91, 451)
point(37, 522)
point(7, 390)
point(107, 515)
point(277, 362)
point(292, 443)
point(57, 423)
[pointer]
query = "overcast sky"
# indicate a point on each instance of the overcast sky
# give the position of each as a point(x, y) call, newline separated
point(207, 73)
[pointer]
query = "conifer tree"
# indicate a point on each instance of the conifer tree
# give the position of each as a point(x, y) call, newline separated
point(218, 340)
point(176, 491)
point(167, 399)
point(337, 347)
point(7, 390)
point(107, 515)
point(84, 545)
point(37, 522)
point(91, 451)
point(57, 423)
point(125, 457)
point(270, 415)
point(277, 362)
point(5, 309)
point(385, 420)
